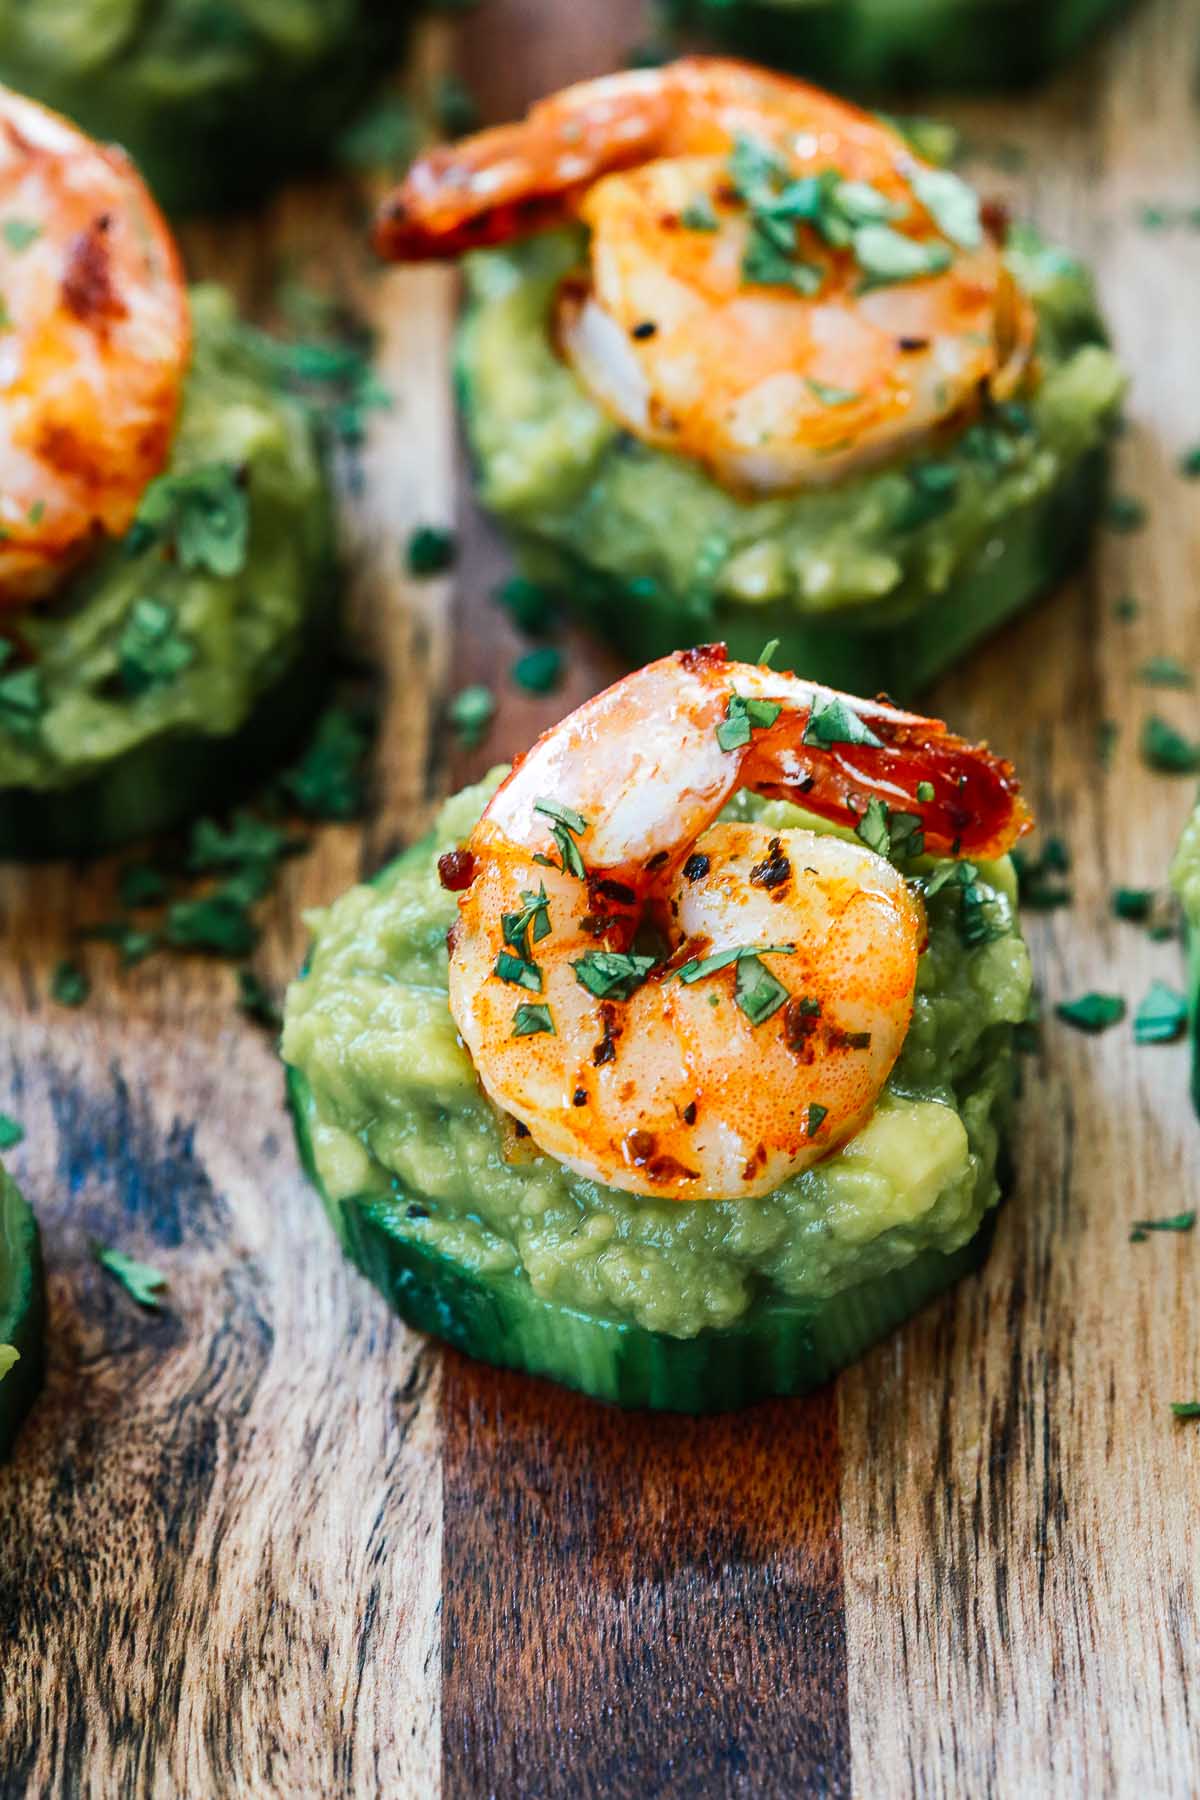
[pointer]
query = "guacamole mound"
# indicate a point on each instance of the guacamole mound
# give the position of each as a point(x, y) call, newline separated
point(181, 626)
point(584, 498)
point(213, 99)
point(396, 1107)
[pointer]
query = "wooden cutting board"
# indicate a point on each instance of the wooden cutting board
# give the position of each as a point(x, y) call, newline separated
point(270, 1542)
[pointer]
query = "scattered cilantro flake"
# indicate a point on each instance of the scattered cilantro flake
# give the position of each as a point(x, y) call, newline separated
point(699, 967)
point(327, 782)
point(204, 514)
point(22, 703)
point(1165, 671)
point(1161, 1017)
point(832, 396)
point(141, 884)
point(698, 215)
point(454, 106)
point(1132, 903)
point(1141, 1228)
point(539, 671)
point(217, 924)
point(764, 264)
point(1186, 1409)
point(979, 919)
point(471, 712)
point(1164, 749)
point(1038, 883)
point(11, 1134)
point(742, 716)
point(247, 840)
point(431, 550)
point(516, 970)
point(1124, 513)
point(531, 1019)
point(19, 234)
point(535, 914)
point(133, 943)
point(953, 206)
point(140, 1281)
point(150, 650)
point(833, 722)
point(930, 490)
point(69, 985)
point(1092, 1013)
point(815, 1118)
point(887, 255)
point(256, 1001)
point(890, 834)
point(386, 136)
point(612, 974)
point(566, 822)
point(756, 990)
point(1126, 608)
point(530, 605)
point(1189, 463)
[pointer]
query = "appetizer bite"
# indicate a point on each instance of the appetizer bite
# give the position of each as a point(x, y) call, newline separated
point(766, 372)
point(215, 102)
point(22, 1311)
point(165, 523)
point(677, 1063)
point(876, 44)
point(1185, 879)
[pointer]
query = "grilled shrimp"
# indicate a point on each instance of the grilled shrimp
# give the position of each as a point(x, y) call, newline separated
point(777, 286)
point(756, 1030)
point(94, 341)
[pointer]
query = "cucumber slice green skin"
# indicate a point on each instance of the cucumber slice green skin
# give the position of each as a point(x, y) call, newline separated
point(1042, 544)
point(942, 43)
point(780, 1348)
point(165, 781)
point(22, 1309)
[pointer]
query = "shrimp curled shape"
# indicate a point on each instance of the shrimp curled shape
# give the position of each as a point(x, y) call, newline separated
point(777, 286)
point(759, 1031)
point(94, 342)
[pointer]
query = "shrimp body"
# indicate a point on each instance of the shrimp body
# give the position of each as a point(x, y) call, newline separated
point(758, 1032)
point(771, 288)
point(94, 343)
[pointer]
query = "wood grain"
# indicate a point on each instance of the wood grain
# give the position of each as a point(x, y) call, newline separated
point(270, 1543)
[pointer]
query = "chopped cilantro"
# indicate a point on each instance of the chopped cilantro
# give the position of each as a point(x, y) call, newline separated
point(534, 913)
point(11, 1134)
point(20, 233)
point(890, 834)
point(1126, 608)
point(757, 991)
point(471, 712)
point(531, 1019)
point(1166, 750)
point(204, 514)
point(431, 550)
point(698, 968)
point(566, 822)
point(134, 944)
point(256, 1001)
point(454, 106)
point(69, 985)
point(248, 840)
point(327, 782)
point(218, 924)
point(742, 716)
point(764, 264)
point(979, 919)
point(141, 884)
point(612, 974)
point(140, 1281)
point(22, 703)
point(1038, 883)
point(386, 136)
point(1165, 671)
point(1140, 1229)
point(698, 215)
point(953, 206)
point(539, 671)
point(815, 1118)
point(1092, 1012)
point(516, 970)
point(1189, 463)
point(1186, 1409)
point(832, 396)
point(150, 649)
point(887, 255)
point(1132, 903)
point(1124, 513)
point(530, 605)
point(929, 490)
point(1161, 1017)
point(833, 722)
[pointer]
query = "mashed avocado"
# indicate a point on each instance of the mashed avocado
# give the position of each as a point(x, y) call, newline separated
point(212, 98)
point(876, 44)
point(394, 1108)
point(875, 582)
point(178, 631)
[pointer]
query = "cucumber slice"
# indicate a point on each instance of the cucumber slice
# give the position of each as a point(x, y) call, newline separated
point(890, 44)
point(22, 1309)
point(780, 1348)
point(166, 781)
point(1037, 548)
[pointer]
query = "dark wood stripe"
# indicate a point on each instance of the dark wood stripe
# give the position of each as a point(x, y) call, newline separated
point(636, 1604)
